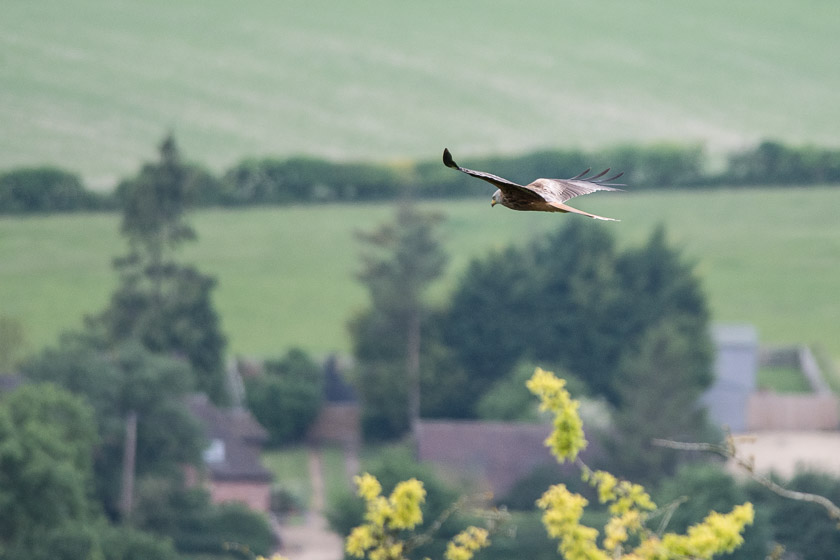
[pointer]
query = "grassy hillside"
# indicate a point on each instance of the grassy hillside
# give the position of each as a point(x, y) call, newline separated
point(93, 86)
point(286, 275)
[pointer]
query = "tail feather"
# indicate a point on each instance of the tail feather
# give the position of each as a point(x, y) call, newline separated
point(566, 208)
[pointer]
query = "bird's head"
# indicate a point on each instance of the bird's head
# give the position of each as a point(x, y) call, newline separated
point(497, 198)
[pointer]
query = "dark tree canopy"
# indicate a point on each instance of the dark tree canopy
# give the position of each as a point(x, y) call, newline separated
point(287, 397)
point(171, 313)
point(803, 528)
point(573, 300)
point(43, 189)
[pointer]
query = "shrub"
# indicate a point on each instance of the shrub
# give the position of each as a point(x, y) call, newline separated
point(286, 399)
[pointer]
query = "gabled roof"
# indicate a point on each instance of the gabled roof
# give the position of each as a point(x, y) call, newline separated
point(236, 439)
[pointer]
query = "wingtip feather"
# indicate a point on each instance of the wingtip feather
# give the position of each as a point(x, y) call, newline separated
point(447, 159)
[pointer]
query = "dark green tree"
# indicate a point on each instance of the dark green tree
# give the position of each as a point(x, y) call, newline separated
point(47, 437)
point(287, 397)
point(401, 260)
point(658, 400)
point(659, 286)
point(197, 527)
point(486, 324)
point(665, 362)
point(571, 299)
point(574, 323)
point(550, 302)
point(803, 528)
point(162, 303)
point(114, 381)
point(442, 381)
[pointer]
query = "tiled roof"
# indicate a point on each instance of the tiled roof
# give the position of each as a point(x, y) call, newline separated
point(238, 438)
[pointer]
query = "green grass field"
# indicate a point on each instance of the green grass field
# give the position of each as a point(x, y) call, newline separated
point(93, 86)
point(782, 380)
point(286, 276)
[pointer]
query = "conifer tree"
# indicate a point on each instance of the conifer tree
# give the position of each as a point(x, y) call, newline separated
point(161, 302)
point(402, 259)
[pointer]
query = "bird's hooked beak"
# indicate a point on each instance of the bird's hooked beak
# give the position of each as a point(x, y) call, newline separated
point(497, 198)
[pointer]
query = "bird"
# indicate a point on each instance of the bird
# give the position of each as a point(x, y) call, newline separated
point(542, 195)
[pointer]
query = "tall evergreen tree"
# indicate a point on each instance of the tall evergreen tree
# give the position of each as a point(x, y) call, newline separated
point(550, 302)
point(401, 260)
point(161, 302)
point(658, 286)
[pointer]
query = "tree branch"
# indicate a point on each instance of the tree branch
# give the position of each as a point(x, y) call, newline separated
point(729, 451)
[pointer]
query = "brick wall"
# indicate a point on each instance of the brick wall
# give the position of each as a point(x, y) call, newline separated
point(336, 423)
point(774, 411)
point(255, 495)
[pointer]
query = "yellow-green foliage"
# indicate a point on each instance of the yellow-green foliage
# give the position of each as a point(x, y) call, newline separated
point(386, 533)
point(381, 537)
point(466, 543)
point(628, 503)
point(567, 439)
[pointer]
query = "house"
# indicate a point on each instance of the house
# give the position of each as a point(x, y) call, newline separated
point(232, 467)
point(493, 454)
point(339, 421)
point(735, 401)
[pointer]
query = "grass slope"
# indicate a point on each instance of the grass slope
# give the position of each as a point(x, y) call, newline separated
point(93, 86)
point(286, 275)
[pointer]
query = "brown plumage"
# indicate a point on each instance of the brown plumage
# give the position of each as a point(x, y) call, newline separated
point(543, 195)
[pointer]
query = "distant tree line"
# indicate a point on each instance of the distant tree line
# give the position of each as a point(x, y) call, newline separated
point(306, 180)
point(46, 189)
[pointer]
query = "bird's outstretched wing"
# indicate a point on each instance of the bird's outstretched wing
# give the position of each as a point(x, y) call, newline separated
point(551, 190)
point(495, 180)
point(561, 190)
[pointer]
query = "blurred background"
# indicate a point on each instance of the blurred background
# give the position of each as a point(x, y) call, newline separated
point(226, 231)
